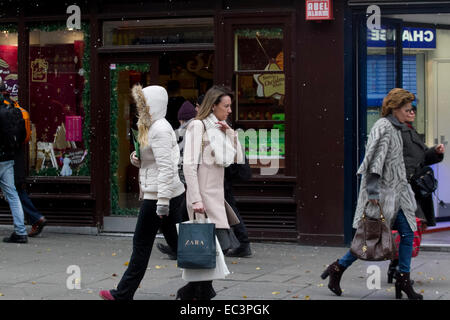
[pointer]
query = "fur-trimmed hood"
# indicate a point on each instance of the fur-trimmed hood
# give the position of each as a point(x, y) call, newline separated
point(153, 98)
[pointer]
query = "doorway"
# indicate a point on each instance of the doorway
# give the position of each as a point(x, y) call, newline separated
point(186, 75)
point(411, 51)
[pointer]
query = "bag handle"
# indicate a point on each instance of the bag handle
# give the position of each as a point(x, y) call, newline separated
point(379, 206)
point(195, 215)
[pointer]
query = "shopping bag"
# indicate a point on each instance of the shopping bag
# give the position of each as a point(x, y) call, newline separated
point(417, 238)
point(219, 272)
point(196, 245)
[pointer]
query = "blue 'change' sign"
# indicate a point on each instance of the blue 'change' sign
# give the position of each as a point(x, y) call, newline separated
point(414, 38)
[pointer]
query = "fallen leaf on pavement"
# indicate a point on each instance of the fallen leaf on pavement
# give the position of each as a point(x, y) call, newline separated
point(114, 274)
point(126, 264)
point(114, 254)
point(307, 297)
point(33, 282)
point(276, 292)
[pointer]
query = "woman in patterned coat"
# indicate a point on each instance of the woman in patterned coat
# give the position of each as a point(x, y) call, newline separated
point(384, 182)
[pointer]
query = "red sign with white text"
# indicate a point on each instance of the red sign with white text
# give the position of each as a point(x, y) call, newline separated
point(319, 10)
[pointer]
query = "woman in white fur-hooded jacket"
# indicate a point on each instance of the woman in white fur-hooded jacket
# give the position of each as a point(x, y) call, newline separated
point(160, 185)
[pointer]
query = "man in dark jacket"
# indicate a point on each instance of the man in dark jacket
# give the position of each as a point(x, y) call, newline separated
point(7, 181)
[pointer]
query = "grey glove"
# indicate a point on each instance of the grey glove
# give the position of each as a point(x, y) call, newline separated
point(162, 210)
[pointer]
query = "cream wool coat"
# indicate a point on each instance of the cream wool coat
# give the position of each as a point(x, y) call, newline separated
point(205, 180)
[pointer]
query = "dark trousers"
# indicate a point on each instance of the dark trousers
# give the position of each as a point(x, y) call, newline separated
point(239, 230)
point(29, 210)
point(147, 226)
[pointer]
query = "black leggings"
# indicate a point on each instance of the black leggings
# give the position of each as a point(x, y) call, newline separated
point(147, 226)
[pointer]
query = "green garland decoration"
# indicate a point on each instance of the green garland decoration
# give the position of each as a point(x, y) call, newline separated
point(9, 27)
point(84, 169)
point(114, 159)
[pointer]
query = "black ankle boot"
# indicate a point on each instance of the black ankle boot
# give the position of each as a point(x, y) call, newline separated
point(392, 270)
point(335, 272)
point(187, 292)
point(403, 283)
point(204, 290)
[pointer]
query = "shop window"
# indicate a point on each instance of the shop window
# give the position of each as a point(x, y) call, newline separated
point(159, 32)
point(259, 77)
point(8, 60)
point(57, 102)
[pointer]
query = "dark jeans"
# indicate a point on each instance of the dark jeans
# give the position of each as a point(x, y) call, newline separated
point(147, 226)
point(28, 207)
point(405, 248)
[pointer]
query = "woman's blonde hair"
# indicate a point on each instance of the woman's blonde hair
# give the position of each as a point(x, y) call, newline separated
point(212, 98)
point(396, 98)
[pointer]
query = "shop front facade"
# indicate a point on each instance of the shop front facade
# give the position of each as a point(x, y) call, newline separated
point(287, 73)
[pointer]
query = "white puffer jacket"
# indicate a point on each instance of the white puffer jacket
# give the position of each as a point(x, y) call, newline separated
point(158, 165)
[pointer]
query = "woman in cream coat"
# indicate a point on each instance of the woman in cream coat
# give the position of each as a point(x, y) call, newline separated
point(211, 145)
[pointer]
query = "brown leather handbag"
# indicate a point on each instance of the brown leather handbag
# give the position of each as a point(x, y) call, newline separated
point(373, 239)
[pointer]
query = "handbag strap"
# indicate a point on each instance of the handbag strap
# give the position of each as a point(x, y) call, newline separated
point(379, 206)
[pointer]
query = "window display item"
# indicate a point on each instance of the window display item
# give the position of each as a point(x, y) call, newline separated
point(66, 171)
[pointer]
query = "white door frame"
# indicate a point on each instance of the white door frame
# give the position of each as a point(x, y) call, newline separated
point(435, 128)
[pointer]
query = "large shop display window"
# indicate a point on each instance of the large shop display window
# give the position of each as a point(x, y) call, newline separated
point(8, 60)
point(260, 93)
point(57, 110)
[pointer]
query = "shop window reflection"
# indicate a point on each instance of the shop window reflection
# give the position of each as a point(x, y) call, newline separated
point(259, 79)
point(56, 84)
point(8, 61)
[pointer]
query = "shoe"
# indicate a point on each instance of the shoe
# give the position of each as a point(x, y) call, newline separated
point(204, 290)
point(37, 227)
point(335, 271)
point(392, 270)
point(15, 238)
point(242, 251)
point(166, 250)
point(106, 295)
point(403, 283)
point(187, 292)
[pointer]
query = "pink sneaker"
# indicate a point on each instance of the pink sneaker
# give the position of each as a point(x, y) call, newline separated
point(106, 295)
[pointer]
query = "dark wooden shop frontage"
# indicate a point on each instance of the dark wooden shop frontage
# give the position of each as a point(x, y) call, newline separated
point(287, 73)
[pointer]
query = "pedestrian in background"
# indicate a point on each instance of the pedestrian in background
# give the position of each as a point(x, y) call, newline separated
point(237, 173)
point(211, 145)
point(7, 155)
point(416, 156)
point(384, 182)
point(36, 219)
point(159, 183)
point(186, 114)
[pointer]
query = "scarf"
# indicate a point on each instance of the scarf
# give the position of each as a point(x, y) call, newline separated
point(221, 144)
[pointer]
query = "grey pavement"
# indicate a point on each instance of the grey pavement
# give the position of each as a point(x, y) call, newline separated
point(276, 271)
